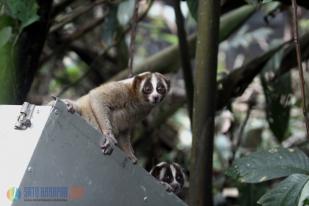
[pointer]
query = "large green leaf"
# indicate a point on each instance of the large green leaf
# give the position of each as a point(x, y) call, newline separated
point(237, 14)
point(270, 8)
point(277, 96)
point(7, 71)
point(269, 164)
point(249, 194)
point(125, 11)
point(192, 5)
point(110, 26)
point(286, 193)
point(23, 10)
point(5, 35)
point(304, 197)
point(233, 20)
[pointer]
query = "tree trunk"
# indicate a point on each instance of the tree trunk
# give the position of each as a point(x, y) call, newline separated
point(204, 105)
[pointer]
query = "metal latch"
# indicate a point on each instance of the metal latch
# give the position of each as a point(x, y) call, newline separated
point(24, 117)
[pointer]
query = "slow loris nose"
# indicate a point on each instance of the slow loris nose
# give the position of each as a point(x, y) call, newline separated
point(176, 187)
point(156, 99)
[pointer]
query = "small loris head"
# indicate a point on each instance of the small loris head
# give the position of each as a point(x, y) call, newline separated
point(151, 87)
point(170, 174)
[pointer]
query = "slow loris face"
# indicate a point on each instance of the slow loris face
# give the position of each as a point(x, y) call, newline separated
point(170, 175)
point(153, 87)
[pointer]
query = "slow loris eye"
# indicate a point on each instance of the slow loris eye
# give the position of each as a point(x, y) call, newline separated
point(161, 89)
point(167, 178)
point(178, 178)
point(147, 89)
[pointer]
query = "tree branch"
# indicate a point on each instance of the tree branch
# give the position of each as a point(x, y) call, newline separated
point(239, 78)
point(75, 14)
point(234, 84)
point(168, 60)
point(299, 63)
point(60, 7)
point(232, 4)
point(83, 30)
point(303, 3)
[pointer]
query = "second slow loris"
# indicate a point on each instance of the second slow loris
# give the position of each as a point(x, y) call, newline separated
point(114, 108)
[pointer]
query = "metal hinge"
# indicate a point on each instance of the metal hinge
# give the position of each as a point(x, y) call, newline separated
point(24, 117)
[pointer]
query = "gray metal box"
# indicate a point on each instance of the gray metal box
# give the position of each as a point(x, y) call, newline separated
point(57, 161)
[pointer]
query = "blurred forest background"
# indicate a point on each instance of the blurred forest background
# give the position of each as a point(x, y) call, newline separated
point(65, 48)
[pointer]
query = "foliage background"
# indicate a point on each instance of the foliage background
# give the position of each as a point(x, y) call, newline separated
point(66, 47)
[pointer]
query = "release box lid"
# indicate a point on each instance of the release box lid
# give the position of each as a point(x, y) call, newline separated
point(58, 161)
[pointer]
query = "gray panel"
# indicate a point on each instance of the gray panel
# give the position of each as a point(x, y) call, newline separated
point(68, 154)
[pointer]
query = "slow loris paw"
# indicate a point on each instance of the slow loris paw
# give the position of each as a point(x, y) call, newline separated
point(70, 106)
point(168, 187)
point(106, 146)
point(109, 135)
point(108, 143)
point(133, 159)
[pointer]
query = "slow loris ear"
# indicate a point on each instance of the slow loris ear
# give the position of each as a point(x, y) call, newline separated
point(168, 82)
point(137, 82)
point(139, 78)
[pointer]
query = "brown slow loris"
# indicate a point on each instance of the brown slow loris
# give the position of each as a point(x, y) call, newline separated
point(114, 108)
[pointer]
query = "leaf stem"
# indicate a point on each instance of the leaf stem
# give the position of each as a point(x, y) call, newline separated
point(133, 35)
point(299, 62)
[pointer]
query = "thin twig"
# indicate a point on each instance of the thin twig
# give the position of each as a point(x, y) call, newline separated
point(185, 57)
point(60, 7)
point(86, 73)
point(75, 14)
point(238, 138)
point(85, 29)
point(140, 18)
point(133, 35)
point(299, 62)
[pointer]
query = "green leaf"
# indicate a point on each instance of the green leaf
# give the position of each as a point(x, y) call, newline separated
point(7, 74)
point(304, 197)
point(277, 95)
point(125, 11)
point(257, 2)
point(270, 7)
point(306, 202)
point(7, 69)
point(286, 193)
point(5, 35)
point(266, 165)
point(249, 194)
point(233, 20)
point(193, 5)
point(23, 10)
point(110, 26)
point(267, 1)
